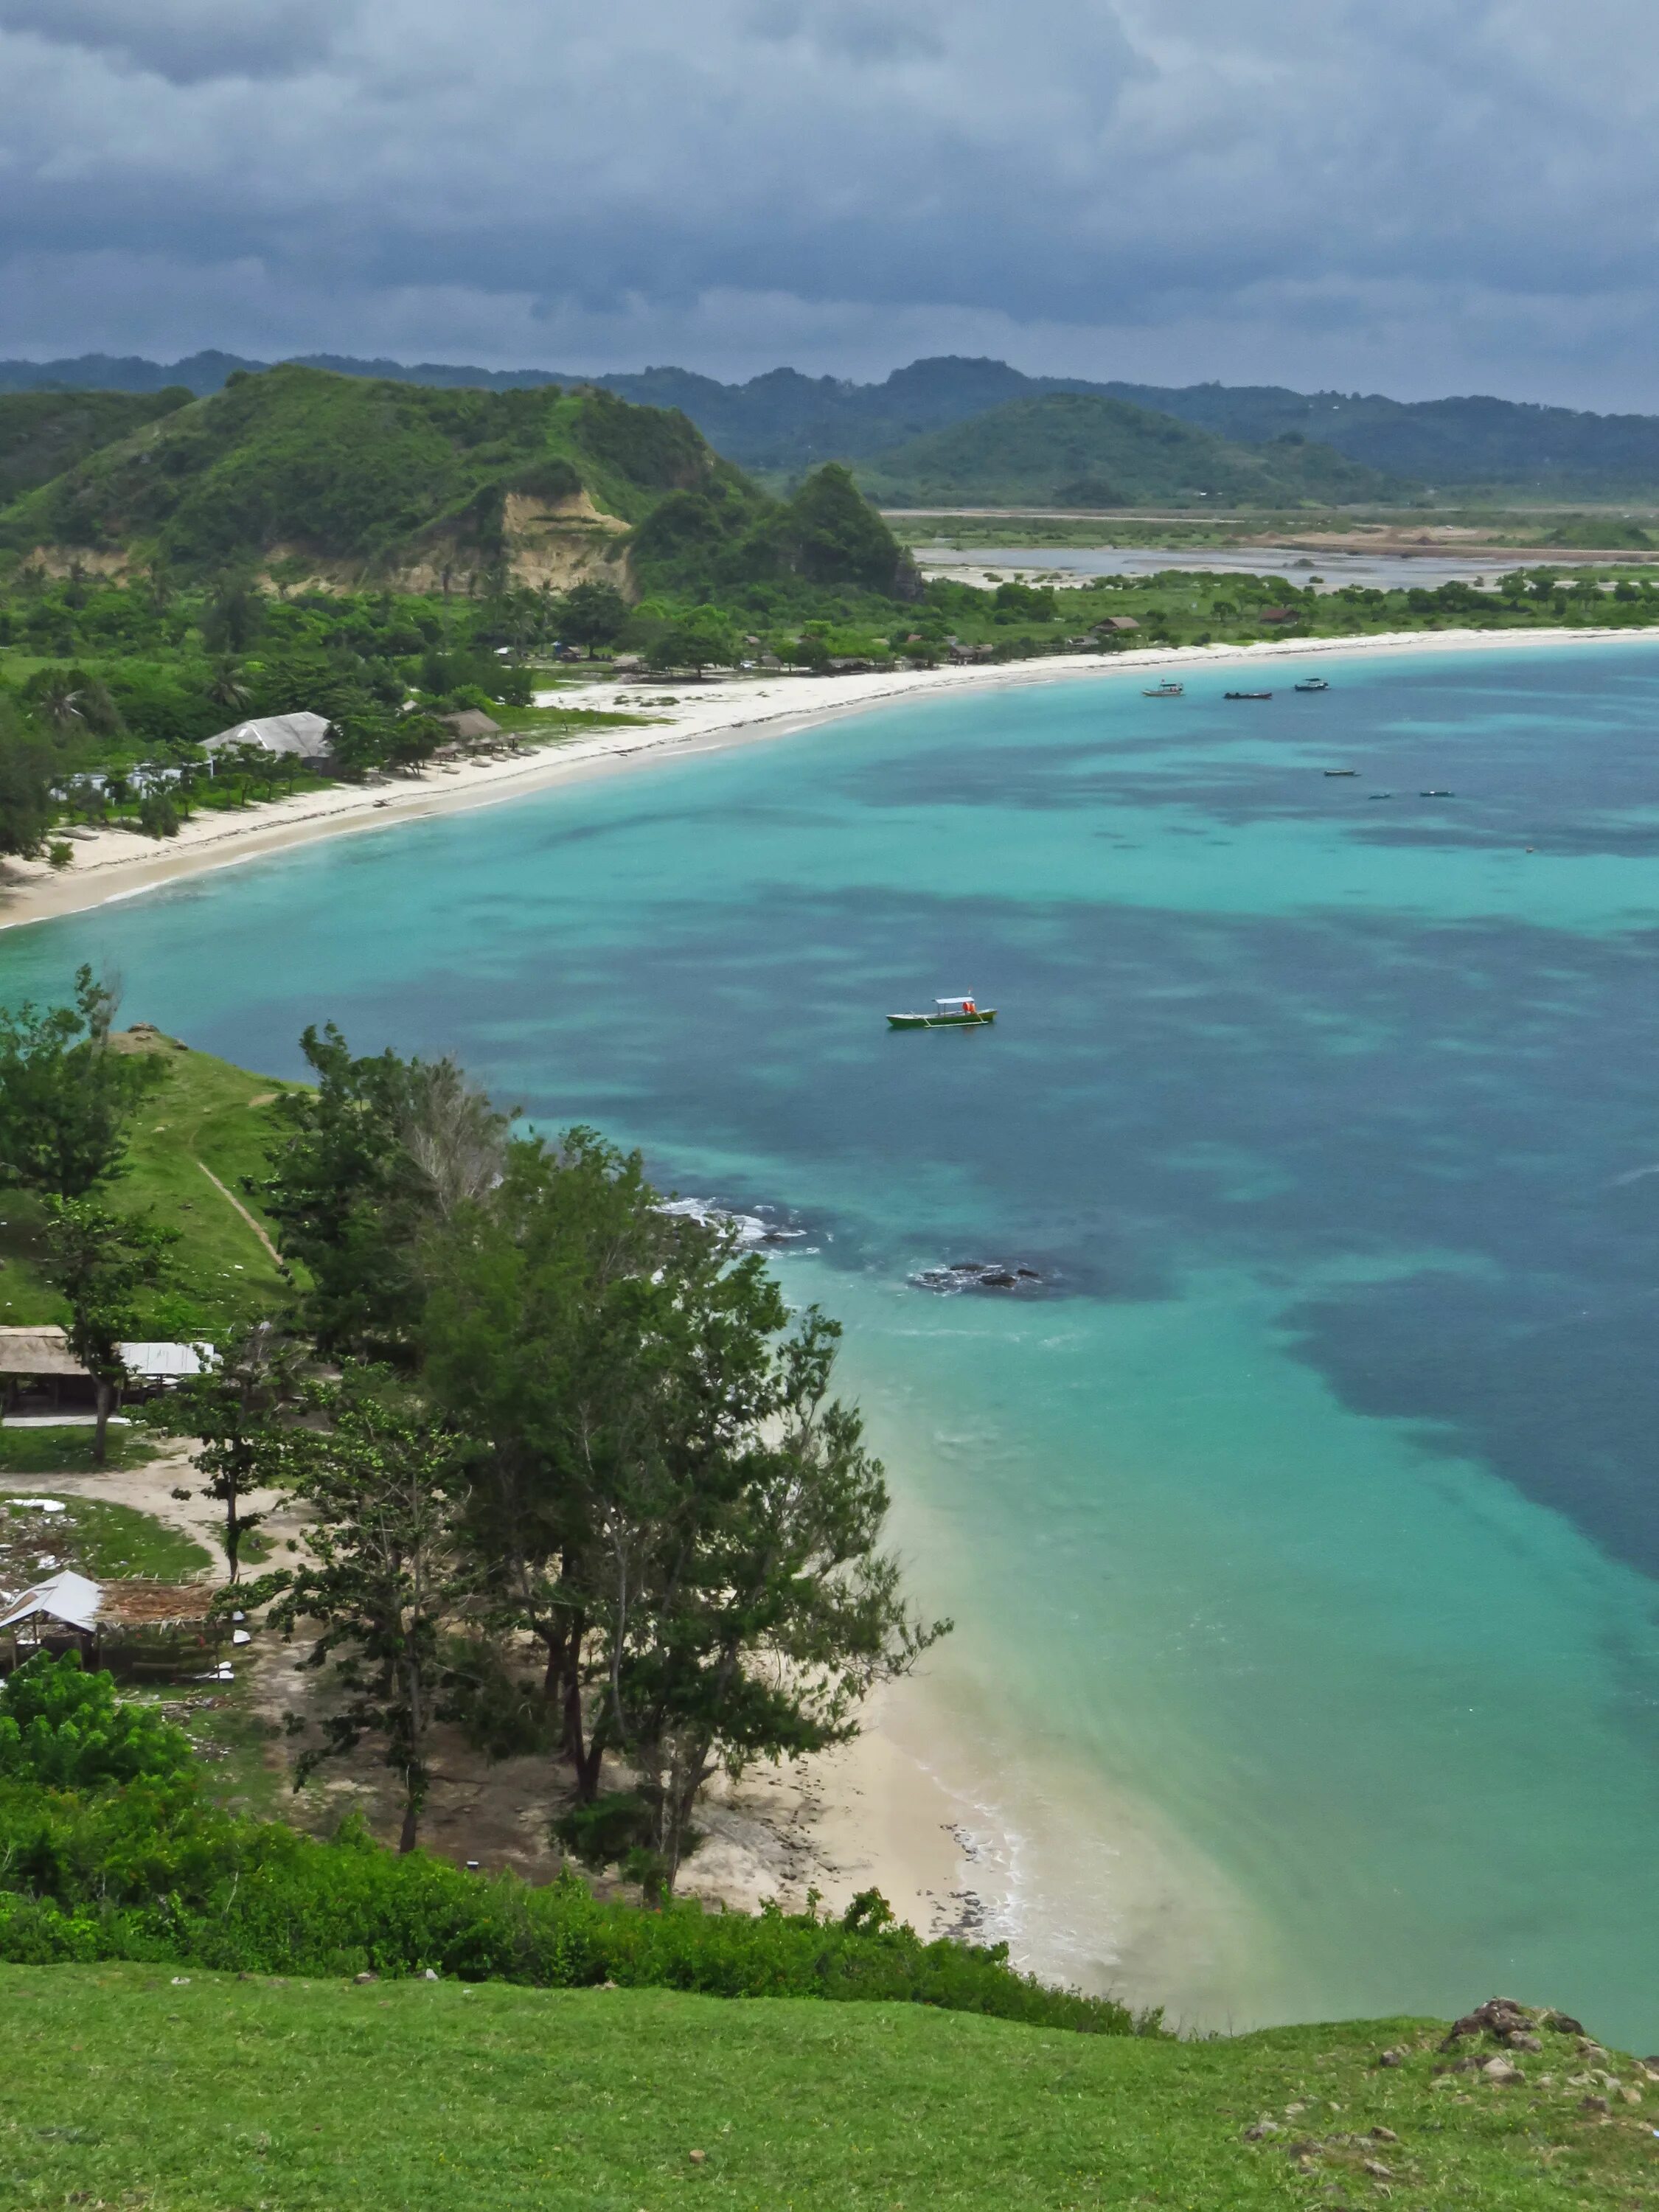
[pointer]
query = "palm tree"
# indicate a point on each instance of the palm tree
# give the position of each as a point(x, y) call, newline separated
point(227, 686)
point(58, 703)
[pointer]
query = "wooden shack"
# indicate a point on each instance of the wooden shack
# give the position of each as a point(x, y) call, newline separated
point(132, 1627)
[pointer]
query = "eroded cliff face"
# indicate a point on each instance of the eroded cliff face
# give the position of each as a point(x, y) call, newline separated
point(523, 538)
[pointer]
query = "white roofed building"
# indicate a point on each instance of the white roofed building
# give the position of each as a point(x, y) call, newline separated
point(305, 737)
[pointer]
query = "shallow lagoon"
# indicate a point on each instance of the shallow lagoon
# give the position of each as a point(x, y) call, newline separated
point(1302, 1532)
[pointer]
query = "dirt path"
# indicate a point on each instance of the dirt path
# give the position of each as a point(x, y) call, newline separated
point(231, 1198)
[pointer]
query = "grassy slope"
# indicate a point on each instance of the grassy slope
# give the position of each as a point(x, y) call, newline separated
point(202, 1115)
point(44, 433)
point(1069, 444)
point(118, 2086)
point(353, 470)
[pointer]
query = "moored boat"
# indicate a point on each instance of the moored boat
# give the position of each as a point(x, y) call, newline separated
point(1247, 695)
point(948, 1014)
point(1313, 683)
point(1165, 691)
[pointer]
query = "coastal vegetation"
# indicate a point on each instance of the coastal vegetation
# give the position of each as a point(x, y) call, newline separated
point(574, 1478)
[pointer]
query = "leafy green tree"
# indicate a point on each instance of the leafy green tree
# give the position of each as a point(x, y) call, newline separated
point(661, 1492)
point(540, 1341)
point(749, 1607)
point(63, 1728)
point(234, 616)
point(364, 1163)
point(158, 815)
point(592, 614)
point(381, 1490)
point(100, 1264)
point(66, 1096)
point(234, 1409)
point(701, 639)
point(25, 777)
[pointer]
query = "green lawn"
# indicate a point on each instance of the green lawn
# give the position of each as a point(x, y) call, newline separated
point(121, 2086)
point(96, 1537)
point(68, 1450)
point(206, 1116)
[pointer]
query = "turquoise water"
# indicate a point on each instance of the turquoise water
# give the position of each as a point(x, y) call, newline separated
point(1302, 1530)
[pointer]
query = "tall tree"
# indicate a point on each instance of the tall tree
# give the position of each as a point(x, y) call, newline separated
point(233, 1409)
point(66, 1095)
point(100, 1264)
point(381, 1489)
point(364, 1162)
point(542, 1338)
point(663, 1492)
point(592, 614)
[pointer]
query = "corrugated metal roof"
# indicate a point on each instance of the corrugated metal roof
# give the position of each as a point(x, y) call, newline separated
point(304, 734)
point(68, 1597)
point(78, 1603)
point(45, 1351)
point(159, 1363)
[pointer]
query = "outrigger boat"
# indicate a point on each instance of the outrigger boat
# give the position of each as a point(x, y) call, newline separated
point(1313, 683)
point(1247, 695)
point(1167, 689)
point(947, 1014)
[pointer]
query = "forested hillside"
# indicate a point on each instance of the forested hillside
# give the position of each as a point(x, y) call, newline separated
point(42, 434)
point(1079, 450)
point(352, 478)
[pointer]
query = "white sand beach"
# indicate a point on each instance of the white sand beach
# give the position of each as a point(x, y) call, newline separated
point(115, 864)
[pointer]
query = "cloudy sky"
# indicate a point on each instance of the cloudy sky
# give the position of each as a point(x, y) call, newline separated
point(1406, 196)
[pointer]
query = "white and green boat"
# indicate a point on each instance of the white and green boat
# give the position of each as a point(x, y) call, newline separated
point(948, 1014)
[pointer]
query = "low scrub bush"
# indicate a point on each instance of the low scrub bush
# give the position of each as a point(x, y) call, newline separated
point(151, 1872)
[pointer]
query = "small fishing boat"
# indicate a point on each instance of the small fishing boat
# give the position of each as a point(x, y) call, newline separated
point(1437, 794)
point(1247, 695)
point(1166, 690)
point(947, 1014)
point(1342, 771)
point(1313, 683)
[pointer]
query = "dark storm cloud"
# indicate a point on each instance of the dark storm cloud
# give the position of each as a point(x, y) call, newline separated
point(1385, 192)
point(183, 41)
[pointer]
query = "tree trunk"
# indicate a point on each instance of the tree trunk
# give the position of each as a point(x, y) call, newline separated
point(411, 1822)
point(104, 1401)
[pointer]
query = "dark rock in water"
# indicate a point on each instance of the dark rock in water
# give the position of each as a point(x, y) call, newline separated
point(975, 1275)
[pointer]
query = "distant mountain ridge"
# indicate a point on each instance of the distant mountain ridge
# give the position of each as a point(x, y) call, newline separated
point(785, 421)
point(1081, 449)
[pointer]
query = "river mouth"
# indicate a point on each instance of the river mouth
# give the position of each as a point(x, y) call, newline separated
point(1304, 1514)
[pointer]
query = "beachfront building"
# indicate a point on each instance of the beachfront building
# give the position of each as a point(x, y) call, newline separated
point(472, 727)
point(41, 1379)
point(301, 737)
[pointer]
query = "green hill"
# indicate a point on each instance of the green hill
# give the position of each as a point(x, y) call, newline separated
point(127, 2085)
point(42, 434)
point(1072, 449)
point(350, 479)
point(300, 464)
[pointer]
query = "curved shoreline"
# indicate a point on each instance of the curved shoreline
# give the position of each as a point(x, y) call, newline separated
point(115, 864)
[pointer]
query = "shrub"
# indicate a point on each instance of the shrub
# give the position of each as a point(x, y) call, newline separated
point(151, 1872)
point(68, 1730)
